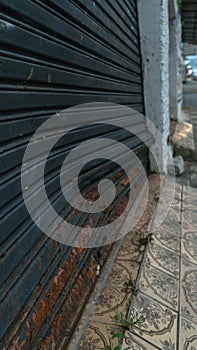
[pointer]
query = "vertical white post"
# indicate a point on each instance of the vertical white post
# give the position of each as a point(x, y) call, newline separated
point(175, 62)
point(154, 34)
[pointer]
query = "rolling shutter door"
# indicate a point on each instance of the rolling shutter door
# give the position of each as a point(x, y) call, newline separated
point(53, 55)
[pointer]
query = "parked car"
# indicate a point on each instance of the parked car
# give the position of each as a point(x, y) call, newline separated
point(194, 68)
point(187, 70)
point(193, 60)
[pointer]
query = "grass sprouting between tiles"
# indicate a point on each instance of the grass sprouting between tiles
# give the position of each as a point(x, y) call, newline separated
point(135, 320)
point(115, 341)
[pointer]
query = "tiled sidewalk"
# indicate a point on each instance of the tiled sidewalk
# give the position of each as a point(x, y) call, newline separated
point(116, 292)
point(166, 284)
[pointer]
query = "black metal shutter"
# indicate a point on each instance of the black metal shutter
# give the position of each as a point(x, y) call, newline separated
point(54, 54)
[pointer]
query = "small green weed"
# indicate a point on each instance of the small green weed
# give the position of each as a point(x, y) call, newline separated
point(129, 285)
point(150, 237)
point(135, 320)
point(116, 338)
point(146, 240)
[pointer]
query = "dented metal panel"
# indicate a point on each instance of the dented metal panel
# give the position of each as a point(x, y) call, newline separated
point(53, 55)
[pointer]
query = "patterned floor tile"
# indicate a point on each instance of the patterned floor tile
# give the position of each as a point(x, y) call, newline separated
point(160, 280)
point(96, 336)
point(176, 204)
point(130, 266)
point(172, 222)
point(167, 240)
point(187, 205)
point(189, 246)
point(125, 271)
point(187, 335)
point(173, 201)
point(130, 249)
point(169, 187)
point(160, 326)
point(108, 307)
point(117, 292)
point(119, 274)
point(189, 194)
point(133, 342)
point(163, 259)
point(186, 226)
point(160, 286)
point(188, 291)
point(190, 217)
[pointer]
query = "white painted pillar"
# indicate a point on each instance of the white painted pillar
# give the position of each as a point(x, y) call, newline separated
point(175, 68)
point(154, 35)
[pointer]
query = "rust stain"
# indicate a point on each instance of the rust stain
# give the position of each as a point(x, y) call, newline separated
point(56, 287)
point(16, 345)
point(22, 319)
point(66, 319)
point(56, 245)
